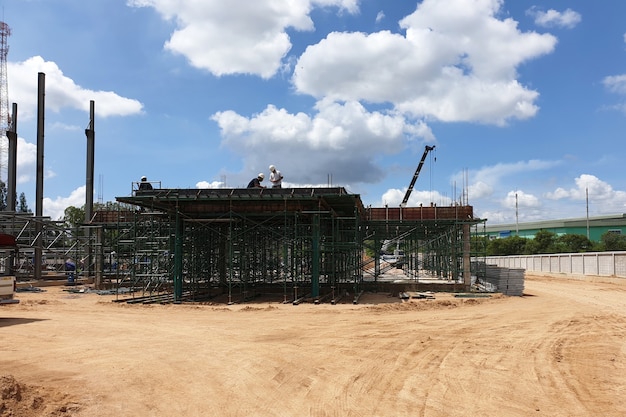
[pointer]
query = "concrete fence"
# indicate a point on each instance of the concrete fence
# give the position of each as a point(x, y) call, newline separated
point(607, 264)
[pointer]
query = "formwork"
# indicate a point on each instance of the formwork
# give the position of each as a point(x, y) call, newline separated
point(292, 243)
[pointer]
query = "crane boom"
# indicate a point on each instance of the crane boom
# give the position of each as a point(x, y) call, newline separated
point(417, 173)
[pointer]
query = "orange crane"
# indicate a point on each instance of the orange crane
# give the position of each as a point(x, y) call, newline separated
point(417, 172)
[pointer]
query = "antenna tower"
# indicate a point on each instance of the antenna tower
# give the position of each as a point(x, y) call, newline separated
point(5, 118)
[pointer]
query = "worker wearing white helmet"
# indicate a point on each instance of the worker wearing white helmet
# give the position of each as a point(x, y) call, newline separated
point(276, 178)
point(144, 184)
point(256, 182)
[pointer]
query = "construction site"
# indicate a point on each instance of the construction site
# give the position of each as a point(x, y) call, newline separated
point(232, 244)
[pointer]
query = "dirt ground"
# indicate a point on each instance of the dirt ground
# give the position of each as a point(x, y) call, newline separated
point(560, 350)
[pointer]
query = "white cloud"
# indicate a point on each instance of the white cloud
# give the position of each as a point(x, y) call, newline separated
point(26, 161)
point(207, 184)
point(488, 177)
point(60, 91)
point(380, 16)
point(553, 18)
point(457, 62)
point(520, 199)
point(615, 83)
point(337, 140)
point(64, 126)
point(494, 217)
point(593, 188)
point(394, 197)
point(484, 185)
point(478, 190)
point(55, 208)
point(238, 36)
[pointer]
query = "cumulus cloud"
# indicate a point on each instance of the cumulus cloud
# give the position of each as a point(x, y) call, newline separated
point(207, 184)
point(338, 139)
point(589, 186)
point(394, 197)
point(456, 62)
point(61, 91)
point(484, 183)
point(55, 208)
point(598, 196)
point(553, 18)
point(238, 36)
point(520, 199)
point(478, 190)
point(26, 161)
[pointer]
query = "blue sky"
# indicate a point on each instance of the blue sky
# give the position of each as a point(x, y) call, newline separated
point(525, 101)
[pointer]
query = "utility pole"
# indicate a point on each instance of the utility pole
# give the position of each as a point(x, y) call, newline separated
point(516, 217)
point(587, 204)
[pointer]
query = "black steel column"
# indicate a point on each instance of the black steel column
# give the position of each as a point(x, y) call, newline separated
point(91, 136)
point(12, 169)
point(41, 93)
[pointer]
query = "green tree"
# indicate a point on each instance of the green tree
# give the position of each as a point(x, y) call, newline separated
point(23, 206)
point(544, 242)
point(3, 196)
point(611, 241)
point(4, 205)
point(479, 244)
point(573, 243)
point(512, 245)
point(74, 216)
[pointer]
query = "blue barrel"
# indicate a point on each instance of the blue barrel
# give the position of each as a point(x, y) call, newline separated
point(70, 268)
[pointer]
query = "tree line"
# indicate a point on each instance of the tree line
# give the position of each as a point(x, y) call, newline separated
point(549, 242)
point(22, 206)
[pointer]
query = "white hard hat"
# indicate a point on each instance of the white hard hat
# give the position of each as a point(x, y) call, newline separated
point(144, 178)
point(261, 176)
point(272, 167)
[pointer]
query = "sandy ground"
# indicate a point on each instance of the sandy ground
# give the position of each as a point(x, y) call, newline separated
point(560, 350)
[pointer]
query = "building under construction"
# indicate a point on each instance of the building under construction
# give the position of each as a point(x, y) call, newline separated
point(295, 243)
point(234, 244)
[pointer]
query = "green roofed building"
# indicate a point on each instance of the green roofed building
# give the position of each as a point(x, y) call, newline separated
point(593, 227)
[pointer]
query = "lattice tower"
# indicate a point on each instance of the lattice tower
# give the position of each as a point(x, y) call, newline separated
point(5, 122)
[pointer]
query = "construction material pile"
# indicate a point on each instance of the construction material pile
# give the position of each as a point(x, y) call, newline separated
point(508, 281)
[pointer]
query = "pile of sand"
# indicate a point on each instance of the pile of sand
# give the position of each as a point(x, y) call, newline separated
point(21, 400)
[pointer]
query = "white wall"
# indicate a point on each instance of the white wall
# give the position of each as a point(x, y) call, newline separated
point(608, 264)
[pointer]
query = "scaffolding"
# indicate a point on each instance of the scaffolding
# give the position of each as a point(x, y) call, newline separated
point(232, 245)
point(299, 243)
point(291, 243)
point(58, 243)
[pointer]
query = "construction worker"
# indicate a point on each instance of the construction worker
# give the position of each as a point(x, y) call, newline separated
point(256, 182)
point(144, 184)
point(276, 178)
